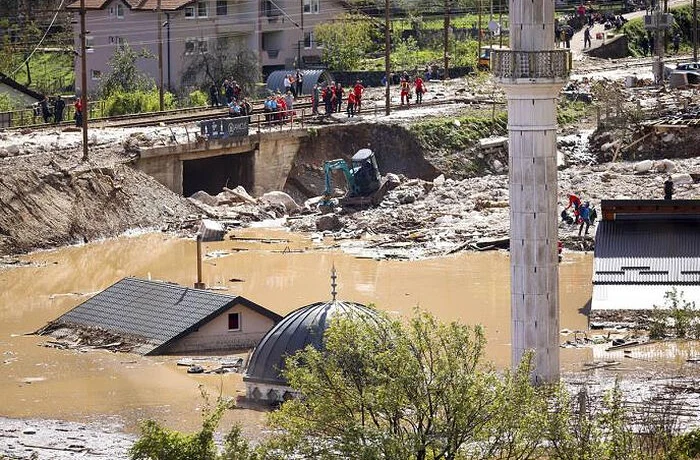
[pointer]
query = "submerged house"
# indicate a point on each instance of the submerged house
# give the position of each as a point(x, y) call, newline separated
point(643, 249)
point(165, 318)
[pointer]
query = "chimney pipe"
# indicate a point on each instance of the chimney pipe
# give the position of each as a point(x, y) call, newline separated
point(199, 284)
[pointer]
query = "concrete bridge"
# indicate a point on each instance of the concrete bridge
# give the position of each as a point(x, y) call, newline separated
point(259, 162)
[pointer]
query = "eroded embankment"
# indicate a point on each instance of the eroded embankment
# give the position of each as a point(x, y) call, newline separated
point(423, 150)
point(44, 204)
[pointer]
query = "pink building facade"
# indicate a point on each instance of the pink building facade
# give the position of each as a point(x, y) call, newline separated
point(273, 28)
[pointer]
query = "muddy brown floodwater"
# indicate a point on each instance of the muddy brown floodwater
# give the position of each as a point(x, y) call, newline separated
point(41, 382)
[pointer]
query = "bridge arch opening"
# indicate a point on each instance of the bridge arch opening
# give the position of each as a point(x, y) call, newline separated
point(214, 173)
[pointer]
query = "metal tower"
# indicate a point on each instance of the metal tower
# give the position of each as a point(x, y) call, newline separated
point(532, 73)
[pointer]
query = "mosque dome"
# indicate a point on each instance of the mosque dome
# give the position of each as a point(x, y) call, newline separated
point(302, 327)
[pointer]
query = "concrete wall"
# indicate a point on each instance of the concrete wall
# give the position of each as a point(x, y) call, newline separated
point(266, 393)
point(613, 48)
point(215, 334)
point(273, 160)
point(273, 156)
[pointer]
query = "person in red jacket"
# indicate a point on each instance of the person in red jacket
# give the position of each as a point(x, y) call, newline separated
point(405, 91)
point(420, 89)
point(358, 89)
point(574, 201)
point(79, 112)
point(351, 103)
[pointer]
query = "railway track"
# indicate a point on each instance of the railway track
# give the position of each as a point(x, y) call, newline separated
point(192, 115)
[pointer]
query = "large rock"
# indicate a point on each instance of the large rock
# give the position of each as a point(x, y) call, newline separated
point(682, 178)
point(237, 195)
point(643, 166)
point(328, 223)
point(666, 166)
point(211, 230)
point(204, 197)
point(281, 198)
point(12, 149)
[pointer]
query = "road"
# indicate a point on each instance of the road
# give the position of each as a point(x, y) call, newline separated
point(577, 50)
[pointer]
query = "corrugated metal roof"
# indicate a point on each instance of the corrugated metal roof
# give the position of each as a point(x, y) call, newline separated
point(275, 81)
point(155, 312)
point(648, 252)
point(298, 329)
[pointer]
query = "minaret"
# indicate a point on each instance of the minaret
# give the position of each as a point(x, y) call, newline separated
point(532, 73)
point(333, 283)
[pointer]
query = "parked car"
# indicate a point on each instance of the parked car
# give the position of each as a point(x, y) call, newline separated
point(685, 73)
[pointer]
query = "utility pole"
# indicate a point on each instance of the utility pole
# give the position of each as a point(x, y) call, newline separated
point(83, 79)
point(160, 58)
point(387, 60)
point(695, 30)
point(303, 37)
point(500, 23)
point(478, 50)
point(447, 39)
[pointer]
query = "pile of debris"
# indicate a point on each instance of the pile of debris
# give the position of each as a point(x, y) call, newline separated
point(84, 338)
point(237, 207)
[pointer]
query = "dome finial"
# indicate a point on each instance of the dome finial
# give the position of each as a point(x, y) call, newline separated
point(333, 283)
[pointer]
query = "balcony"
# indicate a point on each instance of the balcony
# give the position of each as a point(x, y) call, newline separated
point(552, 65)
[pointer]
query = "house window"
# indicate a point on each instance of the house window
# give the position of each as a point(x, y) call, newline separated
point(89, 43)
point(190, 45)
point(234, 321)
point(95, 74)
point(312, 6)
point(308, 40)
point(221, 7)
point(201, 9)
point(189, 12)
point(196, 46)
point(120, 11)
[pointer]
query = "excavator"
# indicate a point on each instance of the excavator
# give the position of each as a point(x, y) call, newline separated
point(365, 183)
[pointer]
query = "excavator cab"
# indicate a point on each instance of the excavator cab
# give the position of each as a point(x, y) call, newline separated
point(366, 173)
point(365, 183)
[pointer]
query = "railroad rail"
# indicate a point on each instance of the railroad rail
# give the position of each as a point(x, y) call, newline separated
point(191, 115)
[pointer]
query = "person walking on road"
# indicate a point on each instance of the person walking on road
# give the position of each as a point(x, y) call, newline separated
point(587, 38)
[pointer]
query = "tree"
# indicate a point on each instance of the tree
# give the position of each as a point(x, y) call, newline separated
point(225, 61)
point(125, 75)
point(384, 390)
point(160, 443)
point(345, 41)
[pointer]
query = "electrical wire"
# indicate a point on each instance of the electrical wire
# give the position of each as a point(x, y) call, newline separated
point(12, 74)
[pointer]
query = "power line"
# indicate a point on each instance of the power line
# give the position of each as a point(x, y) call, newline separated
point(12, 74)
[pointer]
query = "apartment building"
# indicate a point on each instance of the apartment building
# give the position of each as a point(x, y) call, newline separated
point(280, 31)
point(287, 31)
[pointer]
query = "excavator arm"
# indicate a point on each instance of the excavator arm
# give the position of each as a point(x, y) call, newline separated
point(328, 168)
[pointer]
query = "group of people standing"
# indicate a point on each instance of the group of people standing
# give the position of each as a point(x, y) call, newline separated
point(408, 85)
point(332, 96)
point(294, 83)
point(53, 110)
point(238, 106)
point(584, 214)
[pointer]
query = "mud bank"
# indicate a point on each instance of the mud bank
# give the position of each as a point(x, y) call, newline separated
point(48, 204)
point(61, 440)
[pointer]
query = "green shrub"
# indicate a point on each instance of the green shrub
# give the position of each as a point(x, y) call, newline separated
point(5, 103)
point(197, 98)
point(122, 102)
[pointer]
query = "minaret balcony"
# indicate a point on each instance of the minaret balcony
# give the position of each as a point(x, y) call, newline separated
point(509, 66)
